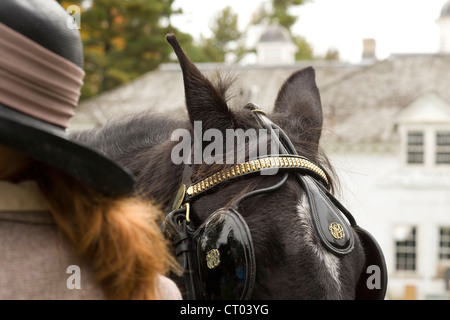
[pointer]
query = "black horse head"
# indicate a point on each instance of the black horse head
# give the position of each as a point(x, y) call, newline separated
point(293, 257)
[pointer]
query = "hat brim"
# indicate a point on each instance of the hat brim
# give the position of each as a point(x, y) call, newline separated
point(50, 144)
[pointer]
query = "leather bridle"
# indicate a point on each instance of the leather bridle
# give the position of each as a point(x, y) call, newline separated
point(205, 260)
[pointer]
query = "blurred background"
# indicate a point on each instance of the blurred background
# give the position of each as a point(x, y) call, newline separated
point(383, 71)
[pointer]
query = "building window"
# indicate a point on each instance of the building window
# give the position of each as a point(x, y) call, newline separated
point(444, 243)
point(415, 147)
point(405, 248)
point(443, 148)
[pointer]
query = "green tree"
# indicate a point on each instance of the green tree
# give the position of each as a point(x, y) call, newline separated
point(280, 12)
point(225, 33)
point(332, 54)
point(122, 40)
point(305, 51)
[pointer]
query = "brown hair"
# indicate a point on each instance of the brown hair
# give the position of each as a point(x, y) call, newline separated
point(120, 237)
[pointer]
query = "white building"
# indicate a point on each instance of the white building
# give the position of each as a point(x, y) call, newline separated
point(386, 129)
point(399, 188)
point(275, 46)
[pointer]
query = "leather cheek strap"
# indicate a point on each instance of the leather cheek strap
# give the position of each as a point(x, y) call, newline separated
point(334, 232)
point(178, 231)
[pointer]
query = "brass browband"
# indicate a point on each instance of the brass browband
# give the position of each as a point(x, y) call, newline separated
point(282, 162)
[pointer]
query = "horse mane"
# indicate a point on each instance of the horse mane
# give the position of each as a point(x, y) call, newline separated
point(122, 137)
point(140, 143)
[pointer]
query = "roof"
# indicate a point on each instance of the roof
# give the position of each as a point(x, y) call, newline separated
point(361, 103)
point(162, 90)
point(427, 109)
point(275, 33)
point(363, 107)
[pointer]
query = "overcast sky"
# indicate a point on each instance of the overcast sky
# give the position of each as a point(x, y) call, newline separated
point(398, 26)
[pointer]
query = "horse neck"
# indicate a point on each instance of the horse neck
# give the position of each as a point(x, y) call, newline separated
point(158, 178)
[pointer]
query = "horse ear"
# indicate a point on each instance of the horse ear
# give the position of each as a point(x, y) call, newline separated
point(204, 101)
point(299, 98)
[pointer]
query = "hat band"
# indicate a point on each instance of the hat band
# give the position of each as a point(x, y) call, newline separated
point(37, 81)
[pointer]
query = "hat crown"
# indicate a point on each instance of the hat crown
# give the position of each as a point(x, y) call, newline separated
point(41, 75)
point(44, 22)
